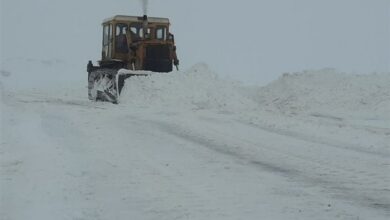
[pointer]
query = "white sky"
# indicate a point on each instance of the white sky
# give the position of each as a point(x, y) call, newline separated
point(252, 40)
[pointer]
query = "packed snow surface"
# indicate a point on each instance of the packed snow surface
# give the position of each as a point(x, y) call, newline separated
point(190, 145)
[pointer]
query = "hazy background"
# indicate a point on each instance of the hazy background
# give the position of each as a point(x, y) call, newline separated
point(251, 40)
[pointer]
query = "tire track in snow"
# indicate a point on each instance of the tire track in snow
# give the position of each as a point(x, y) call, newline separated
point(329, 186)
point(317, 140)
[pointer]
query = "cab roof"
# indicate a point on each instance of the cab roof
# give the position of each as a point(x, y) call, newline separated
point(126, 18)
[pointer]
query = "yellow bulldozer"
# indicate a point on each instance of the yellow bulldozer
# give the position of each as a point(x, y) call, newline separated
point(132, 46)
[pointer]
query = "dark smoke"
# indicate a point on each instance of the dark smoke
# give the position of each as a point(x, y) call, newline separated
point(145, 4)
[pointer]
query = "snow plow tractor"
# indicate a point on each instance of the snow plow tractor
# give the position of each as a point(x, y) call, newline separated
point(132, 46)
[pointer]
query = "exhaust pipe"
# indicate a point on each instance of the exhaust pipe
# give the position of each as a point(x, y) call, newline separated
point(145, 26)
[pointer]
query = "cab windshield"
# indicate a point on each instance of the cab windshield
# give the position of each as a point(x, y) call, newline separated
point(137, 32)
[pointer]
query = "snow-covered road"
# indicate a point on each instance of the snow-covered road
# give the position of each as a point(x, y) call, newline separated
point(63, 157)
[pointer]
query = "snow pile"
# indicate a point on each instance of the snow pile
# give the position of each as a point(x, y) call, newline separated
point(198, 88)
point(310, 92)
point(327, 91)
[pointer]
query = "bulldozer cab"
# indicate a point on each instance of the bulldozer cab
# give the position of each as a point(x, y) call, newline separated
point(141, 43)
point(130, 44)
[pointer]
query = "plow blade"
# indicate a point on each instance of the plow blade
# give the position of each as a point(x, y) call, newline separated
point(106, 85)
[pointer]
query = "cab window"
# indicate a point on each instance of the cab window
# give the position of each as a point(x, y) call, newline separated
point(121, 29)
point(120, 38)
point(135, 30)
point(107, 40)
point(106, 35)
point(161, 33)
point(147, 34)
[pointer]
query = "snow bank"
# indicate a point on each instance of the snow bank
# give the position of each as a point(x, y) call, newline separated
point(327, 91)
point(198, 88)
point(313, 92)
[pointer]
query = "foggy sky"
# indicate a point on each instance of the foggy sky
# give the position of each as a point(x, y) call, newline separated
point(251, 40)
